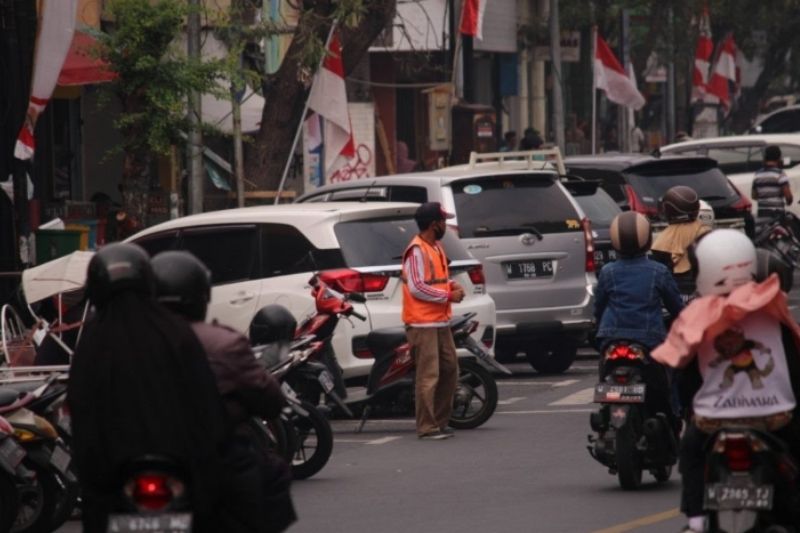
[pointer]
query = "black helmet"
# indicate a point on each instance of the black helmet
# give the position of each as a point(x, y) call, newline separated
point(272, 323)
point(769, 262)
point(116, 268)
point(680, 204)
point(183, 283)
point(630, 234)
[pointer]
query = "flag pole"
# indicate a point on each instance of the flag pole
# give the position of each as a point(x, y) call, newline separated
point(594, 90)
point(303, 119)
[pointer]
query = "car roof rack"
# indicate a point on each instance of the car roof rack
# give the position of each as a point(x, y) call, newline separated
point(547, 155)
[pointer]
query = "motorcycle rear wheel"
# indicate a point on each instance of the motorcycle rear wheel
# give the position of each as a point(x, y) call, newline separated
point(9, 501)
point(663, 473)
point(476, 387)
point(314, 442)
point(37, 502)
point(628, 458)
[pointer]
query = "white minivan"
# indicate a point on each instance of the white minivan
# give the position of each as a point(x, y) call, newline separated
point(265, 255)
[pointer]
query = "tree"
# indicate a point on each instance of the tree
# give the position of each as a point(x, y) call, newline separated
point(285, 92)
point(153, 80)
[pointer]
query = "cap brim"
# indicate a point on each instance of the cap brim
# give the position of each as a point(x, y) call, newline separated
point(446, 215)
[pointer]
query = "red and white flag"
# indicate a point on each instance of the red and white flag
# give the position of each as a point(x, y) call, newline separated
point(472, 18)
point(609, 76)
point(328, 98)
point(724, 72)
point(702, 57)
point(52, 44)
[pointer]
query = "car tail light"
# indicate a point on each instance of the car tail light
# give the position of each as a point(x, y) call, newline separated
point(152, 492)
point(742, 204)
point(360, 348)
point(738, 453)
point(488, 337)
point(589, 243)
point(346, 281)
point(624, 351)
point(637, 205)
point(476, 275)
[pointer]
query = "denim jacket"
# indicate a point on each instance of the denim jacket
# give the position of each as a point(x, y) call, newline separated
point(628, 301)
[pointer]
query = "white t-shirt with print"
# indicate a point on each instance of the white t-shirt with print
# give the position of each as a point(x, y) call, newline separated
point(745, 373)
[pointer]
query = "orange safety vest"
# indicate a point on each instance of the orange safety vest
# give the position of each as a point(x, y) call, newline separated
point(437, 275)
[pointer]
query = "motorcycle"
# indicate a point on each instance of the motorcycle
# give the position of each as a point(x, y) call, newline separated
point(631, 435)
point(11, 473)
point(776, 235)
point(152, 496)
point(751, 483)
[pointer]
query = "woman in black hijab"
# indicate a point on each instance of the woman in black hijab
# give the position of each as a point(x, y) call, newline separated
point(140, 385)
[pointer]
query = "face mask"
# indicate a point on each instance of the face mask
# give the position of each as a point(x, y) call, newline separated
point(439, 232)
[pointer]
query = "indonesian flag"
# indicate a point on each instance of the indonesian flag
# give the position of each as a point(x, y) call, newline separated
point(472, 18)
point(610, 77)
point(52, 44)
point(724, 72)
point(702, 57)
point(328, 99)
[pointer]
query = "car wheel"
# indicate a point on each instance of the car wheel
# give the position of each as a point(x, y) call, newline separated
point(552, 357)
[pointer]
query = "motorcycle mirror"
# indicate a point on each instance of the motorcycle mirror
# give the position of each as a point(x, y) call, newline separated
point(357, 297)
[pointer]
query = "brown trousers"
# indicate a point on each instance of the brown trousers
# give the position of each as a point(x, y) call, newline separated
point(437, 376)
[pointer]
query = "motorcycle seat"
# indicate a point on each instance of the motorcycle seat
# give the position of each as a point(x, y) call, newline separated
point(385, 340)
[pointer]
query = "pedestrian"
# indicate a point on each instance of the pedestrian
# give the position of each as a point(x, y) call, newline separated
point(404, 163)
point(140, 385)
point(509, 142)
point(531, 140)
point(637, 139)
point(427, 296)
point(771, 185)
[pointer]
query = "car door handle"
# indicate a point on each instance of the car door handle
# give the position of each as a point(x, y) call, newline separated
point(243, 299)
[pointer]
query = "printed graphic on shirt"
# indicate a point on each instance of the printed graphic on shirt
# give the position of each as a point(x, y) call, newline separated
point(744, 370)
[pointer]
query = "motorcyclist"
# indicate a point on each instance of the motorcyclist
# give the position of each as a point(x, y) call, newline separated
point(679, 206)
point(629, 297)
point(725, 341)
point(140, 385)
point(257, 492)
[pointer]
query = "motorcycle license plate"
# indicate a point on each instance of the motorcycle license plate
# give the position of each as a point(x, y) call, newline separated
point(608, 393)
point(161, 523)
point(11, 453)
point(733, 496)
point(60, 459)
point(326, 381)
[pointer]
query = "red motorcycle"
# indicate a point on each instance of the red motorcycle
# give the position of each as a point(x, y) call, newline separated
point(390, 385)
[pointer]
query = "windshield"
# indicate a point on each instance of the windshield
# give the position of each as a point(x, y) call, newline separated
point(382, 242)
point(711, 185)
point(599, 208)
point(512, 205)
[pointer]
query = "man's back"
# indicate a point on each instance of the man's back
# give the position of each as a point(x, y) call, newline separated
point(768, 184)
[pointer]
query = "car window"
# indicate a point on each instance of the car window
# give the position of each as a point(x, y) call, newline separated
point(610, 180)
point(783, 122)
point(697, 151)
point(512, 205)
point(599, 208)
point(416, 195)
point(285, 250)
point(318, 198)
point(736, 159)
point(381, 242)
point(230, 252)
point(159, 242)
point(710, 184)
point(792, 152)
point(371, 194)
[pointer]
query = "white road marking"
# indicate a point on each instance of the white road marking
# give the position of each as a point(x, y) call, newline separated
point(582, 397)
point(544, 412)
point(510, 401)
point(352, 441)
point(384, 440)
point(565, 383)
point(562, 383)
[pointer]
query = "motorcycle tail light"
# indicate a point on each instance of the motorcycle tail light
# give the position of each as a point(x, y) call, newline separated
point(621, 379)
point(154, 491)
point(738, 454)
point(348, 281)
point(624, 351)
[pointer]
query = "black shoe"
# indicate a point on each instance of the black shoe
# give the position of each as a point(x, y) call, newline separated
point(447, 430)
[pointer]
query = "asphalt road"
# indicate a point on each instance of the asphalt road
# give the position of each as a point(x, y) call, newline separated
point(526, 470)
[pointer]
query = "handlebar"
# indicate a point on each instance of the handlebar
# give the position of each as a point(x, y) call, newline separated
point(358, 315)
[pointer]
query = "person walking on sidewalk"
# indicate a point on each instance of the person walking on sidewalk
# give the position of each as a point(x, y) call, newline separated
point(427, 296)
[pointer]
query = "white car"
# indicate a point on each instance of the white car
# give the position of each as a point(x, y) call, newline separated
point(265, 255)
point(741, 156)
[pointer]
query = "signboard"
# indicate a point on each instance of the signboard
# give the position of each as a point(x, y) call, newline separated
point(570, 47)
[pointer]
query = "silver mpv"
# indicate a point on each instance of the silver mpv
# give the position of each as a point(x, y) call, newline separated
point(532, 238)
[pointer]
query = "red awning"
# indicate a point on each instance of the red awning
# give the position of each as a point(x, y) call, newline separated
point(81, 67)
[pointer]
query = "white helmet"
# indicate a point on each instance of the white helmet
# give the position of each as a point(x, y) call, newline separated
point(723, 259)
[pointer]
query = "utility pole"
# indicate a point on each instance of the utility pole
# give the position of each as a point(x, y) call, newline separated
point(467, 48)
point(671, 79)
point(625, 113)
point(195, 144)
point(555, 59)
point(238, 152)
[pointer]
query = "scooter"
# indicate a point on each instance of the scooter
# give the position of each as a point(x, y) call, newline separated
point(630, 435)
point(751, 483)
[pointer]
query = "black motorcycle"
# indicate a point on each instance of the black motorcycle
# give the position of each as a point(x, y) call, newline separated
point(633, 431)
point(777, 235)
point(751, 483)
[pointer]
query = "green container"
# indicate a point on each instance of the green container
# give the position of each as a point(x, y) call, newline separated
point(51, 243)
